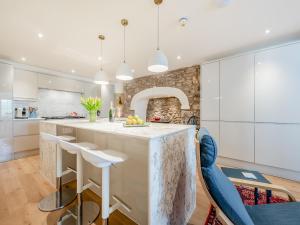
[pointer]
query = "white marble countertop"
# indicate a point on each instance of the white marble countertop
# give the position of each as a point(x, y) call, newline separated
point(28, 119)
point(155, 130)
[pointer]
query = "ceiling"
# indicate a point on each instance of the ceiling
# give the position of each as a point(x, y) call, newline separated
point(70, 29)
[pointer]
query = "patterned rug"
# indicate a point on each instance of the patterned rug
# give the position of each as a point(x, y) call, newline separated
point(247, 195)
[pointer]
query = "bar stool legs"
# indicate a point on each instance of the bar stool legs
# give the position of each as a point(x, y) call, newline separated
point(106, 208)
point(104, 159)
point(62, 197)
point(105, 195)
point(84, 212)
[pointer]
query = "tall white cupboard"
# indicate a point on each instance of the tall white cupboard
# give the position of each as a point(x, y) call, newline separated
point(251, 105)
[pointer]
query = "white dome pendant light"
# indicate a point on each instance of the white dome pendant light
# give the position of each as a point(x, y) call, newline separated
point(158, 62)
point(101, 77)
point(124, 72)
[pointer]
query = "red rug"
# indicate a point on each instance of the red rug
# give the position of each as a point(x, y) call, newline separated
point(247, 195)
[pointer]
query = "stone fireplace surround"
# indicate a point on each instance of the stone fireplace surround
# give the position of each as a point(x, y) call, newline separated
point(167, 108)
point(181, 83)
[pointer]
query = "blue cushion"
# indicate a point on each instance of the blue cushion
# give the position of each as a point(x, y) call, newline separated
point(209, 151)
point(275, 214)
point(220, 187)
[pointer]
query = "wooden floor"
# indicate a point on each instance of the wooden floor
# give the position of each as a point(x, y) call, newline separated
point(21, 188)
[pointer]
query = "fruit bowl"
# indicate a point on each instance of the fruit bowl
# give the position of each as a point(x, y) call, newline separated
point(136, 125)
point(135, 121)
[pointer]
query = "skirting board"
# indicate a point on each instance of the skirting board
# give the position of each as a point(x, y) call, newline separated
point(268, 170)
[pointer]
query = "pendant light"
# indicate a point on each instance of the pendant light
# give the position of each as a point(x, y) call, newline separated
point(158, 62)
point(101, 76)
point(124, 72)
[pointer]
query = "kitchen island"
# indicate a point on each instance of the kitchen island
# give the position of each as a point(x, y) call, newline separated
point(158, 180)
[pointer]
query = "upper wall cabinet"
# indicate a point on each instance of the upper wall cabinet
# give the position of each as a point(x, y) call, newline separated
point(25, 84)
point(6, 81)
point(237, 88)
point(209, 91)
point(277, 83)
point(60, 83)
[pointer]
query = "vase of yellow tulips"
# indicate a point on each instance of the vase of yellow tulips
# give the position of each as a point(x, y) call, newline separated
point(92, 105)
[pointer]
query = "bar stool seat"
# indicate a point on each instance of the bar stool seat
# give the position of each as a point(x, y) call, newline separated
point(74, 148)
point(104, 159)
point(66, 138)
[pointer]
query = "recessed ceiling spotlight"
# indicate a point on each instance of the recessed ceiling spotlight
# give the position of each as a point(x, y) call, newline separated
point(40, 35)
point(267, 31)
point(133, 70)
point(23, 59)
point(178, 57)
point(99, 58)
point(73, 71)
point(183, 21)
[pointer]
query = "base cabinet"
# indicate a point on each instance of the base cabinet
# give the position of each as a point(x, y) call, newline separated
point(278, 145)
point(237, 141)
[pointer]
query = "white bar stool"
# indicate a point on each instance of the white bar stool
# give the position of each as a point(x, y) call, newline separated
point(85, 212)
point(104, 159)
point(62, 197)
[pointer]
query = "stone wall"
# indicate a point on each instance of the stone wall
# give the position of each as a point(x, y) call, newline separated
point(166, 108)
point(185, 79)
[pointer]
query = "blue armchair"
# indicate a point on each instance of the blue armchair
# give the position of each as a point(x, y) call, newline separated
point(225, 198)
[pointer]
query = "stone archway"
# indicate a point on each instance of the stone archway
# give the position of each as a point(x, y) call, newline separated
point(139, 101)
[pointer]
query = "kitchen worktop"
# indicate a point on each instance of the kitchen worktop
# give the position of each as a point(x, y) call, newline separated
point(28, 119)
point(103, 125)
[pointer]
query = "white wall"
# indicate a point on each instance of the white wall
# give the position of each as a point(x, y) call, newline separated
point(251, 105)
point(107, 96)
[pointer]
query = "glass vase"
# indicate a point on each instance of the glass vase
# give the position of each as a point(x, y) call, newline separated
point(92, 116)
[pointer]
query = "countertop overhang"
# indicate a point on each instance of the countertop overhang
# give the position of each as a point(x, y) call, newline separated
point(153, 131)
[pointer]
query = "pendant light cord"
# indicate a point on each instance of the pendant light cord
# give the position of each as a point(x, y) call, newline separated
point(158, 27)
point(124, 56)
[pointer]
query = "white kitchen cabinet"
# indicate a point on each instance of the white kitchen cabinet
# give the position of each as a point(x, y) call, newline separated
point(6, 82)
point(66, 84)
point(277, 83)
point(278, 145)
point(237, 141)
point(46, 81)
point(25, 84)
point(26, 143)
point(26, 127)
point(237, 88)
point(26, 137)
point(209, 91)
point(213, 129)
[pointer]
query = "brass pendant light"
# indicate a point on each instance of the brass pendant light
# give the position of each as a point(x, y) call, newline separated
point(124, 72)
